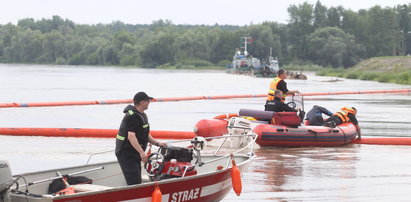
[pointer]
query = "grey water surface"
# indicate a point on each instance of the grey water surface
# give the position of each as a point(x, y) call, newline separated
point(347, 173)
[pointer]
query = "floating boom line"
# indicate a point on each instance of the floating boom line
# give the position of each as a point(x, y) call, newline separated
point(172, 99)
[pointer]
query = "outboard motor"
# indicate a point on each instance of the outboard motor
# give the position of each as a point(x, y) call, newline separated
point(239, 126)
point(6, 179)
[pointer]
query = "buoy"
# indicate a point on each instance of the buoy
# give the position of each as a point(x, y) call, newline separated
point(236, 177)
point(211, 127)
point(156, 195)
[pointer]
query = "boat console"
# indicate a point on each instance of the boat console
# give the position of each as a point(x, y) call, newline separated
point(170, 162)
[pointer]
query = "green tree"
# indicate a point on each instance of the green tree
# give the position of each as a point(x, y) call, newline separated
point(27, 23)
point(158, 50)
point(128, 55)
point(404, 25)
point(320, 15)
point(300, 27)
point(191, 45)
point(107, 55)
point(73, 46)
point(222, 45)
point(53, 47)
point(330, 46)
point(31, 45)
point(264, 40)
point(334, 17)
point(122, 38)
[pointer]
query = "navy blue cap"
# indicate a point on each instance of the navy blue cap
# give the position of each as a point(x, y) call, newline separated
point(140, 96)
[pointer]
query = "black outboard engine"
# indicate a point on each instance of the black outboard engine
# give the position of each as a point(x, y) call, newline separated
point(179, 153)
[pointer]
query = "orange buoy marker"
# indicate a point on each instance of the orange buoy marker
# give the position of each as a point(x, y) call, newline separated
point(156, 195)
point(236, 177)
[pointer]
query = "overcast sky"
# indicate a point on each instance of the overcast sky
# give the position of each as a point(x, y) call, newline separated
point(233, 12)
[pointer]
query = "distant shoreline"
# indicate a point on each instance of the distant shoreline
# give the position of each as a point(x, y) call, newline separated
point(119, 66)
point(395, 69)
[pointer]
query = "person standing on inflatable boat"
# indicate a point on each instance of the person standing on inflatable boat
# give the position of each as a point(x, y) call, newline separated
point(133, 137)
point(346, 114)
point(278, 83)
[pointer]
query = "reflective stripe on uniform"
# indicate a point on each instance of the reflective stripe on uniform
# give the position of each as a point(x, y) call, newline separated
point(120, 137)
point(145, 125)
point(130, 112)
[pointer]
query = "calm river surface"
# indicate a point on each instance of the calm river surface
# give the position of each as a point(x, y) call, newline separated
point(348, 173)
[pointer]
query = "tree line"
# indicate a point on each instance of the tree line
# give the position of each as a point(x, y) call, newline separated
point(314, 34)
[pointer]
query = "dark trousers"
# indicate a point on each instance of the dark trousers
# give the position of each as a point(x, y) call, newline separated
point(336, 119)
point(316, 121)
point(131, 167)
point(333, 121)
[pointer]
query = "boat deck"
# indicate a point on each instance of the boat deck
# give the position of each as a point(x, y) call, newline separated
point(107, 177)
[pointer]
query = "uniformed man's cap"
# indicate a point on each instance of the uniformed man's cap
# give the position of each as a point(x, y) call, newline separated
point(140, 96)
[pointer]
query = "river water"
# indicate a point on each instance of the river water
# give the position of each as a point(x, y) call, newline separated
point(348, 173)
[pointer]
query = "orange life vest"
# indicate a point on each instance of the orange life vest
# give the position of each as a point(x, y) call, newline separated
point(343, 114)
point(273, 88)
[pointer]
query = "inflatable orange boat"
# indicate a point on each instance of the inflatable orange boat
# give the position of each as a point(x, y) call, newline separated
point(276, 129)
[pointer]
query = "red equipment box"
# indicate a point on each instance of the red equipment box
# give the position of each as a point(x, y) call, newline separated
point(286, 118)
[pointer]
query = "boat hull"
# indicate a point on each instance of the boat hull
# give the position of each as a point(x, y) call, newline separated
point(270, 135)
point(210, 184)
point(207, 188)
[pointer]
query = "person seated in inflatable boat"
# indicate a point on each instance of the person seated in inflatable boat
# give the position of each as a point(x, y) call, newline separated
point(314, 116)
point(277, 105)
point(346, 114)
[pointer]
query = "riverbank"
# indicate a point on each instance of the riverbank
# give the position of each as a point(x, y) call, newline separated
point(164, 67)
point(382, 69)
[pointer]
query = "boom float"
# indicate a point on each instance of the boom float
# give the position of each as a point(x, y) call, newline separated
point(86, 132)
point(126, 101)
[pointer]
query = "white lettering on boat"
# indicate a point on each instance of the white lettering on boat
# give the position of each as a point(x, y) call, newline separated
point(185, 195)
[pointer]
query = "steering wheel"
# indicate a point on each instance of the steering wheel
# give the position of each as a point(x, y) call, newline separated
point(154, 165)
point(292, 105)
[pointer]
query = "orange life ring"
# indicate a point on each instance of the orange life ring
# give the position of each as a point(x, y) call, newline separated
point(226, 116)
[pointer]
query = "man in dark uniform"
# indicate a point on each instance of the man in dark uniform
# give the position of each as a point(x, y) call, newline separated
point(314, 116)
point(133, 137)
point(277, 105)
